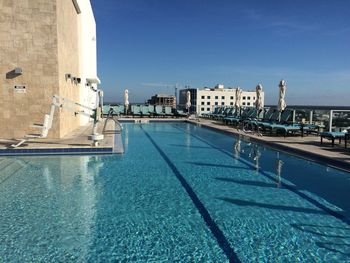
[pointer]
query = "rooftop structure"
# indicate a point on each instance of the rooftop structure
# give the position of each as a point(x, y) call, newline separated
point(206, 99)
point(163, 99)
point(47, 48)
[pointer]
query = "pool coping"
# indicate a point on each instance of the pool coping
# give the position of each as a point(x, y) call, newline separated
point(56, 151)
point(297, 152)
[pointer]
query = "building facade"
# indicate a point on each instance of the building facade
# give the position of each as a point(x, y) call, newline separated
point(163, 99)
point(46, 48)
point(209, 98)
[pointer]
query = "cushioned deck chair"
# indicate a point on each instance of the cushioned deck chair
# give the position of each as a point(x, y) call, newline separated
point(234, 120)
point(333, 136)
point(168, 111)
point(145, 111)
point(180, 113)
point(215, 111)
point(151, 110)
point(159, 111)
point(121, 109)
point(135, 110)
point(227, 112)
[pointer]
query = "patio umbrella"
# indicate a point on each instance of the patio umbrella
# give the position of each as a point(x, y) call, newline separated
point(281, 102)
point(238, 99)
point(126, 100)
point(258, 103)
point(188, 102)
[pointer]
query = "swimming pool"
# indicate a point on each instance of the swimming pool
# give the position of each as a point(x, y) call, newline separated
point(179, 193)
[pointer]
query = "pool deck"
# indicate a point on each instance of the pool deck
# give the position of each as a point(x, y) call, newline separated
point(75, 142)
point(308, 147)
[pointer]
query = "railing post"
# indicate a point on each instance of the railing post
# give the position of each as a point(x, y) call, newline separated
point(293, 116)
point(330, 120)
point(311, 116)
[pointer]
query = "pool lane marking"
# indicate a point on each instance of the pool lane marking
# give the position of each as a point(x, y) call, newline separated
point(289, 187)
point(215, 230)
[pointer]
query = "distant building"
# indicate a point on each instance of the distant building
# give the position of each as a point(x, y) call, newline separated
point(207, 99)
point(163, 99)
point(47, 48)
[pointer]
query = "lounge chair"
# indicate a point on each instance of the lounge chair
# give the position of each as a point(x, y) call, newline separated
point(208, 115)
point(105, 109)
point(245, 114)
point(279, 122)
point(168, 112)
point(227, 112)
point(151, 110)
point(135, 110)
point(180, 113)
point(333, 136)
point(159, 111)
point(121, 109)
point(145, 111)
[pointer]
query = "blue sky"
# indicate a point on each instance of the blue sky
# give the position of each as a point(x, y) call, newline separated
point(236, 43)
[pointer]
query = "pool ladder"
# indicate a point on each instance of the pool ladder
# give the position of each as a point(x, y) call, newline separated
point(118, 142)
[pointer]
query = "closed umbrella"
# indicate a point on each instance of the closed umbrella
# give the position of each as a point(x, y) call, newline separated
point(126, 100)
point(281, 102)
point(258, 103)
point(188, 102)
point(238, 99)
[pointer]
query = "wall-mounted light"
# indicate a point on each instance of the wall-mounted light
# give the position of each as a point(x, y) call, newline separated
point(18, 71)
point(68, 76)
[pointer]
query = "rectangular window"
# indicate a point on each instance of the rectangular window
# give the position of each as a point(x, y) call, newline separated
point(231, 103)
point(203, 97)
point(231, 98)
point(243, 103)
point(202, 109)
point(253, 98)
point(216, 97)
point(248, 98)
point(216, 103)
point(208, 103)
point(202, 103)
point(244, 97)
point(222, 103)
point(208, 97)
point(248, 103)
point(208, 109)
point(222, 97)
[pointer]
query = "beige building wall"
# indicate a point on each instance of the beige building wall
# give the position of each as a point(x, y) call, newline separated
point(28, 40)
point(41, 38)
point(68, 61)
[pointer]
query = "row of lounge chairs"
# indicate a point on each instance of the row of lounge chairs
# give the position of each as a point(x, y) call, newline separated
point(269, 121)
point(144, 111)
point(263, 121)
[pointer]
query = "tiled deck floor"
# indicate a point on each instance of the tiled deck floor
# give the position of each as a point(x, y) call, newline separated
point(76, 139)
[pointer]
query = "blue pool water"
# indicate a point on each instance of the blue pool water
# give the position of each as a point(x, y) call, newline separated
point(179, 193)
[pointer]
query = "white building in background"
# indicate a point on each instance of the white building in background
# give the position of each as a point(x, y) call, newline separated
point(208, 99)
point(88, 56)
